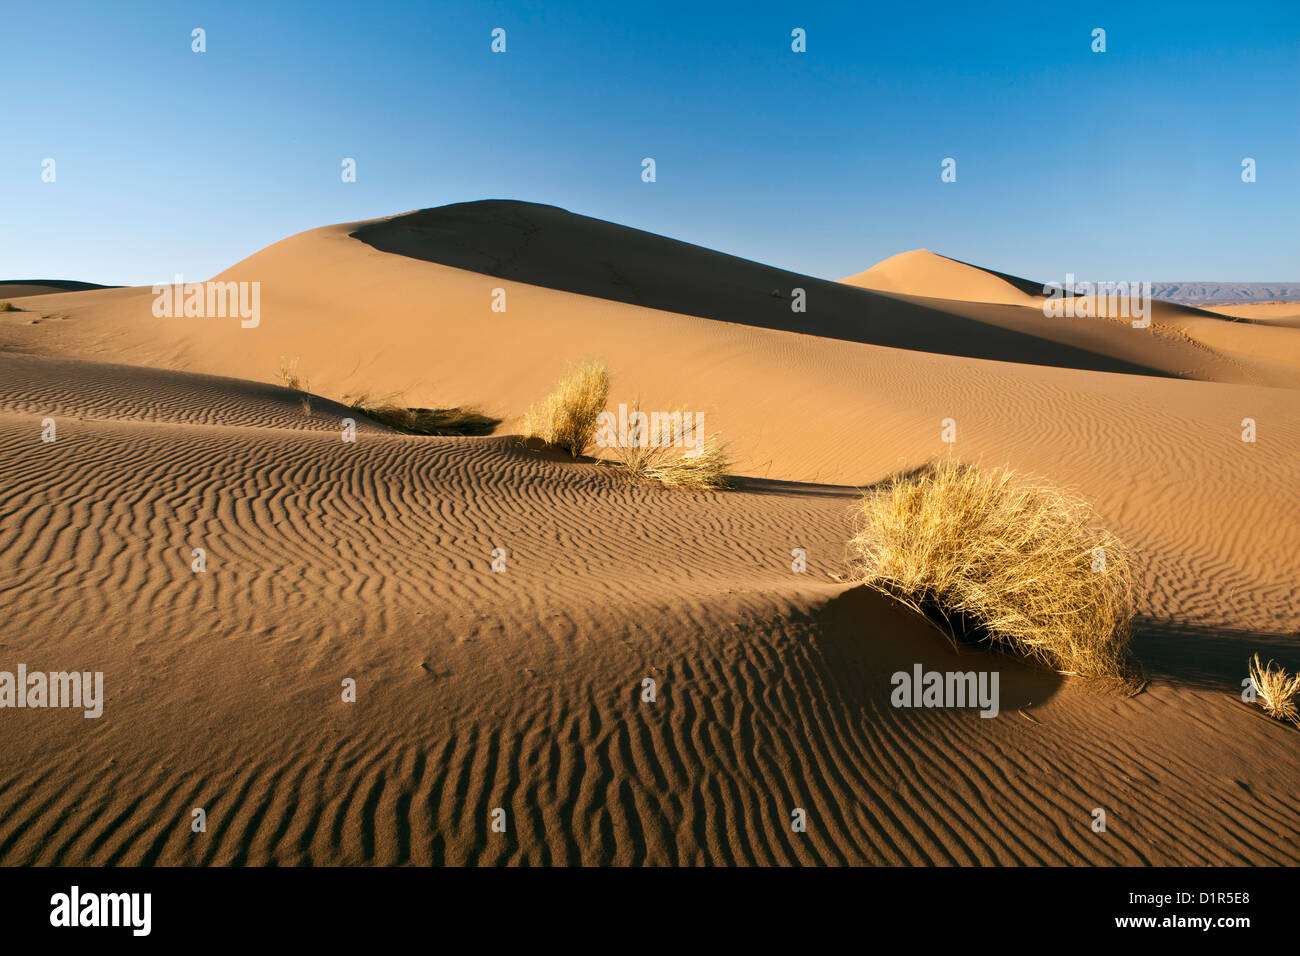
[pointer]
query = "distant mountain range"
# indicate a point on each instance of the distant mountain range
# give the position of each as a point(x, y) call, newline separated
point(1223, 293)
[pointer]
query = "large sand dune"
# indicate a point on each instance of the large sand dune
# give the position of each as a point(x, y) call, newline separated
point(521, 690)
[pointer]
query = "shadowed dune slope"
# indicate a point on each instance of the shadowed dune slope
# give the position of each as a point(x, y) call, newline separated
point(16, 288)
point(551, 247)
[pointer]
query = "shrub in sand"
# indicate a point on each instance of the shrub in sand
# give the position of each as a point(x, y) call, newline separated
point(1276, 690)
point(1009, 561)
point(8, 306)
point(567, 417)
point(678, 455)
point(425, 421)
point(289, 376)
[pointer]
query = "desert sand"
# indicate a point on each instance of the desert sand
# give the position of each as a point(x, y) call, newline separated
point(521, 690)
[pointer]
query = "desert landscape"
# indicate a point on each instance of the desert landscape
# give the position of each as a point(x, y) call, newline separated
point(197, 528)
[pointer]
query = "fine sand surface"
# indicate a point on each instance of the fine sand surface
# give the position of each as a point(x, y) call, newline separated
point(1263, 313)
point(521, 690)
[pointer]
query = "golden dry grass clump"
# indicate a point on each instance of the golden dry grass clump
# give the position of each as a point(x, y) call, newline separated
point(567, 417)
point(290, 377)
point(678, 455)
point(706, 471)
point(1275, 690)
point(8, 306)
point(425, 421)
point(1011, 561)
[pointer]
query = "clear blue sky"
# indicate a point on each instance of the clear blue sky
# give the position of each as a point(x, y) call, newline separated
point(1119, 165)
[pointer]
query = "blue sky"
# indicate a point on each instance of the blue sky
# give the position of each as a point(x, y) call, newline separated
point(1122, 165)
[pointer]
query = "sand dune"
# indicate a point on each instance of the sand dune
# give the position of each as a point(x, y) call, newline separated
point(1272, 357)
point(550, 247)
point(921, 272)
point(406, 321)
point(521, 690)
point(1264, 313)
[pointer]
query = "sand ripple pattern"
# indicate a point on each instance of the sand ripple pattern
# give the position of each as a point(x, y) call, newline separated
point(522, 690)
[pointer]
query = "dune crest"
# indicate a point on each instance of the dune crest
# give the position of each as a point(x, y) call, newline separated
point(922, 272)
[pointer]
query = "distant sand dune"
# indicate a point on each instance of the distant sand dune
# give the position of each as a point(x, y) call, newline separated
point(25, 287)
point(921, 272)
point(1266, 313)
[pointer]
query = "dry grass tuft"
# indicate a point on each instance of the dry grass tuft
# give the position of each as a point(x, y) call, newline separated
point(8, 306)
point(567, 417)
point(425, 421)
point(705, 472)
point(1275, 690)
point(663, 457)
point(289, 376)
point(1001, 559)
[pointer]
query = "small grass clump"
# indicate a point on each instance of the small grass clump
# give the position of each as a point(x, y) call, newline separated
point(425, 421)
point(1275, 690)
point(704, 472)
point(7, 306)
point(289, 376)
point(679, 456)
point(567, 418)
point(1013, 562)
